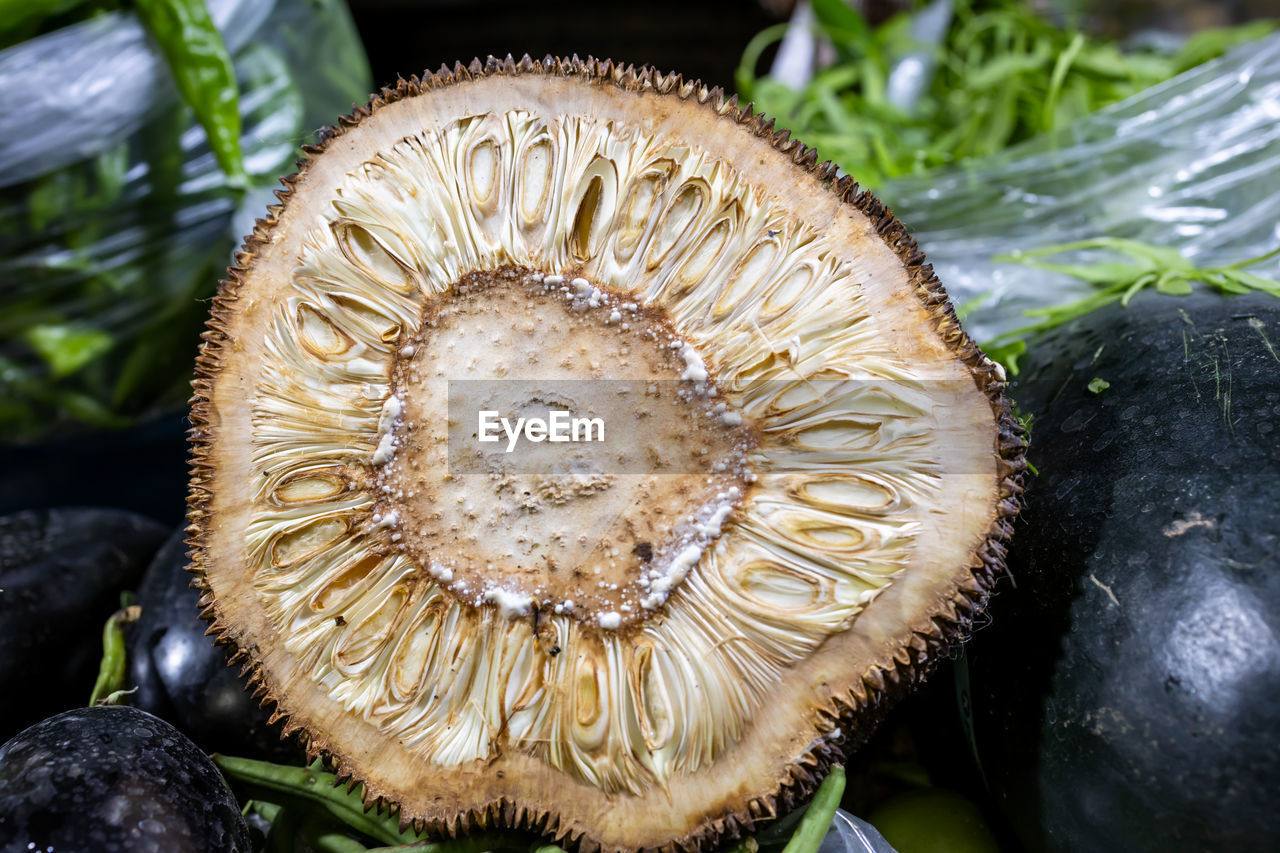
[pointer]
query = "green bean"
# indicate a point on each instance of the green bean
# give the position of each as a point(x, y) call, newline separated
point(473, 843)
point(817, 818)
point(309, 788)
point(281, 838)
point(203, 72)
point(315, 787)
point(323, 837)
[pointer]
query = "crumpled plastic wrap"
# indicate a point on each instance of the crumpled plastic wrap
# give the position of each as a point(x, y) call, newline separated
point(849, 834)
point(115, 220)
point(75, 92)
point(1193, 163)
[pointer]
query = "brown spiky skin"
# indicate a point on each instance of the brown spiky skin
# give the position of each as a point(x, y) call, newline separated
point(878, 689)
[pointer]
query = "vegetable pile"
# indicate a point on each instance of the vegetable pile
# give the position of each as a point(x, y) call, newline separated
point(1131, 673)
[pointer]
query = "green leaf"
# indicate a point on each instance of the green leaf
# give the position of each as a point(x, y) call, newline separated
point(1056, 79)
point(1252, 281)
point(67, 347)
point(1138, 284)
point(842, 23)
point(82, 407)
point(1151, 256)
point(1097, 385)
point(1206, 44)
point(1003, 68)
point(745, 75)
point(1173, 285)
point(1103, 272)
point(321, 836)
point(1105, 61)
point(1058, 314)
point(1006, 354)
point(964, 308)
point(1160, 256)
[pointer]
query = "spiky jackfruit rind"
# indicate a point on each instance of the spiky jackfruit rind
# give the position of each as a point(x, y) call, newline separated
point(871, 695)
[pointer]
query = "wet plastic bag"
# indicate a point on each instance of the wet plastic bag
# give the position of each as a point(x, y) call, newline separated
point(846, 834)
point(1192, 164)
point(115, 220)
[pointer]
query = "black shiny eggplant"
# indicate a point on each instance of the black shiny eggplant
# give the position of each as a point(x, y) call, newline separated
point(182, 676)
point(114, 779)
point(61, 574)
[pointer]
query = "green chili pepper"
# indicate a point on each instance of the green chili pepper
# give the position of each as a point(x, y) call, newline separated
point(202, 69)
point(111, 672)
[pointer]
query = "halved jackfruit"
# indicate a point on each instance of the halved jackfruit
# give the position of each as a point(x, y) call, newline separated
point(654, 641)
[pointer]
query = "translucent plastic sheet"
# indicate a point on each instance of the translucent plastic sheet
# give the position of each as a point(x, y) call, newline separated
point(78, 91)
point(849, 834)
point(116, 222)
point(1193, 164)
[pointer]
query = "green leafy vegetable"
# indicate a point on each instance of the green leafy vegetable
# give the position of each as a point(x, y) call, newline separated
point(67, 347)
point(203, 71)
point(1002, 75)
point(1146, 266)
point(1097, 385)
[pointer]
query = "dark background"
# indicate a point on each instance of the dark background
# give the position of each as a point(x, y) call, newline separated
point(698, 39)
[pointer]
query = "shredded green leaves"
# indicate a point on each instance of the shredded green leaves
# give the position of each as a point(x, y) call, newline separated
point(1126, 268)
